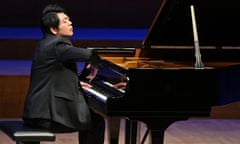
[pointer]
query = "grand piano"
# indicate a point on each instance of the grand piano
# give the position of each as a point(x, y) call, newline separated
point(163, 83)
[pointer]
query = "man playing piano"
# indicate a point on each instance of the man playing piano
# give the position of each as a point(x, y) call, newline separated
point(55, 99)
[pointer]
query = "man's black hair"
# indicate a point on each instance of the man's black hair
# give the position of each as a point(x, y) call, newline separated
point(49, 18)
point(53, 8)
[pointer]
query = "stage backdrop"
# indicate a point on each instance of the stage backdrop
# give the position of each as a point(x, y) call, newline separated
point(84, 13)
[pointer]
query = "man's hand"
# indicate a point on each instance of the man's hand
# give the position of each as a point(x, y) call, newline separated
point(93, 72)
point(85, 85)
point(120, 85)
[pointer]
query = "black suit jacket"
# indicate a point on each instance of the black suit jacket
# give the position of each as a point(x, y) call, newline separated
point(54, 86)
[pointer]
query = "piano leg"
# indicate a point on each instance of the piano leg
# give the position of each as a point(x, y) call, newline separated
point(156, 126)
point(113, 128)
point(131, 131)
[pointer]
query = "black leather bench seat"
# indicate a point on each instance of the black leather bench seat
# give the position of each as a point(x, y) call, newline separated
point(22, 134)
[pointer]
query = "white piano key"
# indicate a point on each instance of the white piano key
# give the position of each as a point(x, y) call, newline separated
point(111, 85)
point(99, 95)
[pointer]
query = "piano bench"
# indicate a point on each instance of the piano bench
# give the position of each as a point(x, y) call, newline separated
point(22, 134)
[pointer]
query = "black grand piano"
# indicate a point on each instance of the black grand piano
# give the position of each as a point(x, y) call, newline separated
point(164, 85)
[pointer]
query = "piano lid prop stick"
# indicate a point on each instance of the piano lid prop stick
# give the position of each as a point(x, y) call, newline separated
point(198, 63)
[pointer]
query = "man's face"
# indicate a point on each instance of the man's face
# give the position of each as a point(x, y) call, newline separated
point(65, 28)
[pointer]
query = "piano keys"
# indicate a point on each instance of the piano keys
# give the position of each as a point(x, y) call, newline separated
point(104, 90)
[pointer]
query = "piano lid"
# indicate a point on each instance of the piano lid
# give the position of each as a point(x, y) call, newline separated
point(217, 24)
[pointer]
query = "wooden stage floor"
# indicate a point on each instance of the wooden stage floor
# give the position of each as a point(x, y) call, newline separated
point(192, 131)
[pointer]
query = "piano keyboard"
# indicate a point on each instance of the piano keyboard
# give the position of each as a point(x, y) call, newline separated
point(111, 85)
point(98, 95)
point(102, 90)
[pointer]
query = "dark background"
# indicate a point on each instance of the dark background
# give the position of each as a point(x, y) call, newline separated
point(83, 13)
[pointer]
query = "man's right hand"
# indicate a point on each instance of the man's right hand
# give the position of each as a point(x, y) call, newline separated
point(93, 72)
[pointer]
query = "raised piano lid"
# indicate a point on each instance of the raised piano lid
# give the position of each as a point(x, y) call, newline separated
point(218, 30)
